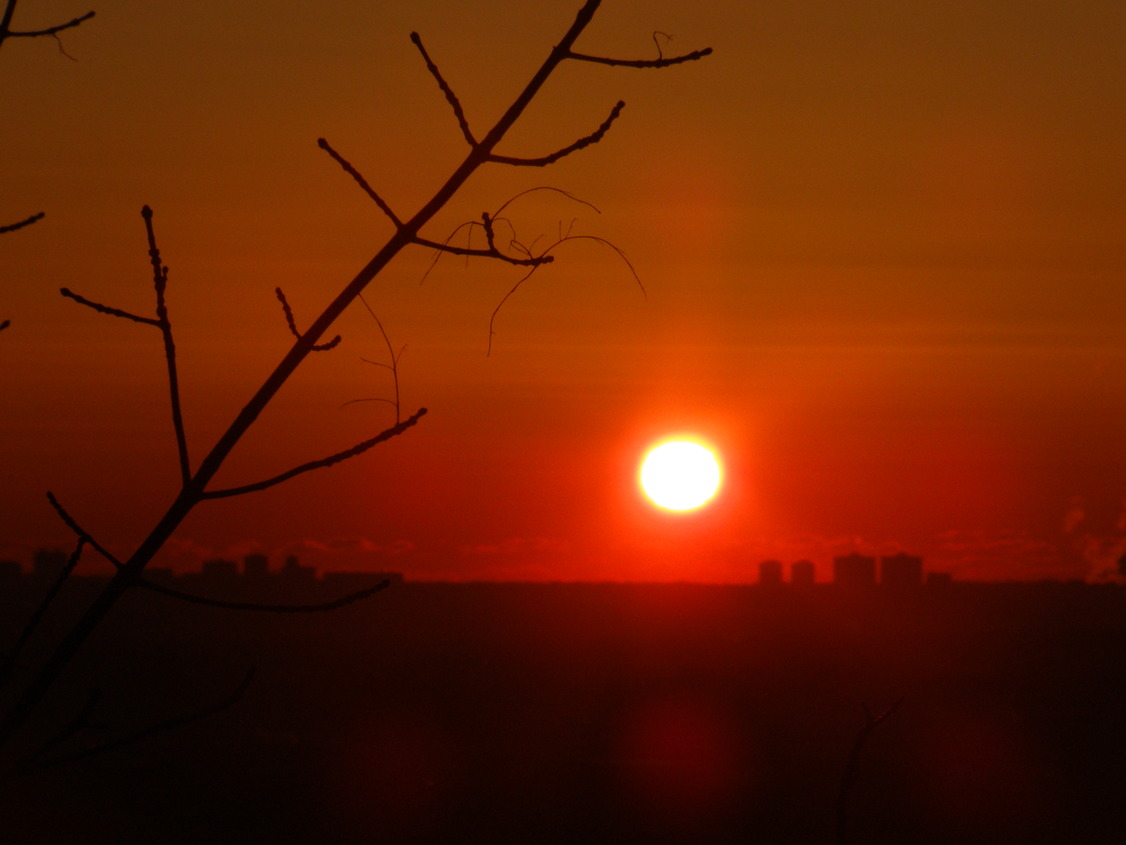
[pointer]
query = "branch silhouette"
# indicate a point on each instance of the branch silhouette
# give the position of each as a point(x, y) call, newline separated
point(35, 763)
point(20, 224)
point(7, 32)
point(194, 488)
point(848, 779)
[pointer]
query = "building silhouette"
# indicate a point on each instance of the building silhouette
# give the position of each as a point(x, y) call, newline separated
point(255, 566)
point(901, 571)
point(854, 570)
point(770, 573)
point(802, 573)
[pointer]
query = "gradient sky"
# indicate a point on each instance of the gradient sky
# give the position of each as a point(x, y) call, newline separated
point(883, 246)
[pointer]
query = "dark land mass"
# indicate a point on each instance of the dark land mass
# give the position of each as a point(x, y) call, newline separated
point(598, 713)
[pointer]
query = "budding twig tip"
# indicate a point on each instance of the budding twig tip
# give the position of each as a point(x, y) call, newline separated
point(146, 212)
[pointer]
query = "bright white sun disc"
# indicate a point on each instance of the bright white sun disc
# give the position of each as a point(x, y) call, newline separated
point(680, 475)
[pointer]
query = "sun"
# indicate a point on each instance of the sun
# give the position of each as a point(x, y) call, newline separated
point(680, 475)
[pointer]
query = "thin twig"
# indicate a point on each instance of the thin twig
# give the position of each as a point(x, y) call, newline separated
point(12, 657)
point(4, 324)
point(361, 181)
point(848, 778)
point(593, 138)
point(79, 722)
point(358, 449)
point(451, 98)
point(105, 309)
point(545, 254)
point(394, 365)
point(642, 63)
point(317, 347)
point(165, 726)
point(81, 532)
point(27, 221)
point(51, 30)
point(160, 283)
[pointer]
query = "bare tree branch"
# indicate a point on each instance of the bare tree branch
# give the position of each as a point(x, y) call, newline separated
point(483, 151)
point(105, 309)
point(361, 181)
point(848, 778)
point(160, 282)
point(79, 722)
point(593, 138)
point(4, 324)
point(27, 221)
point(358, 449)
point(81, 532)
point(51, 30)
point(492, 252)
point(7, 32)
point(12, 657)
point(451, 98)
point(317, 347)
point(164, 726)
point(642, 63)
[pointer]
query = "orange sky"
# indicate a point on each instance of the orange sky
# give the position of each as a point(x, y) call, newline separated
point(883, 246)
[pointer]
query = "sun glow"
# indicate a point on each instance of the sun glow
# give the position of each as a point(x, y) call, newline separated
point(680, 475)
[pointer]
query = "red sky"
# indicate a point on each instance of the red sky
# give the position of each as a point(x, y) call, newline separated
point(883, 247)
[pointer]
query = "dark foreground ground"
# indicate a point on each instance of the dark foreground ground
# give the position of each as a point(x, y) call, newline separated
point(602, 713)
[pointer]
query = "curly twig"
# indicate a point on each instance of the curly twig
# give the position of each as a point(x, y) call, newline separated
point(593, 138)
point(562, 240)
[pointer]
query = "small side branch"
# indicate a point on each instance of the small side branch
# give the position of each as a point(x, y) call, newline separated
point(848, 780)
point(78, 723)
point(319, 347)
point(4, 324)
point(358, 449)
point(160, 282)
point(451, 97)
point(361, 181)
point(12, 657)
point(320, 607)
point(51, 30)
point(394, 365)
point(492, 252)
point(165, 726)
point(106, 309)
point(80, 532)
point(642, 63)
point(27, 221)
point(593, 138)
